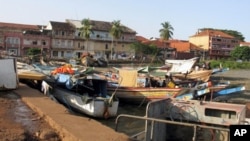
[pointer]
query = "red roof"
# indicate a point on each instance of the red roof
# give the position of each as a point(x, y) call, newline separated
point(19, 26)
point(245, 43)
point(140, 38)
point(212, 33)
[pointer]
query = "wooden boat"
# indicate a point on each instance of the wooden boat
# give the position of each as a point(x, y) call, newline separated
point(85, 95)
point(176, 66)
point(230, 89)
point(203, 75)
point(181, 66)
point(202, 90)
point(134, 87)
point(189, 94)
point(26, 71)
point(212, 92)
point(143, 95)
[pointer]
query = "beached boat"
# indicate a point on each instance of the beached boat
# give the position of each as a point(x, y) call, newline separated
point(203, 75)
point(135, 87)
point(83, 94)
point(181, 66)
point(28, 72)
point(223, 89)
point(230, 89)
point(176, 66)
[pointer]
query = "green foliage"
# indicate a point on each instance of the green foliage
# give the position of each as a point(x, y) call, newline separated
point(144, 49)
point(34, 51)
point(241, 52)
point(230, 64)
point(166, 32)
point(116, 29)
point(86, 28)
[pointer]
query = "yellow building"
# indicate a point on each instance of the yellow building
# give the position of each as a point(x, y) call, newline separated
point(215, 44)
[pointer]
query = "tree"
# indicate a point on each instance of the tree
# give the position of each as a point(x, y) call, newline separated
point(143, 49)
point(166, 32)
point(116, 32)
point(34, 51)
point(86, 30)
point(241, 52)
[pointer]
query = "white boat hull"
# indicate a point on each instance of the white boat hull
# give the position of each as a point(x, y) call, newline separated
point(95, 107)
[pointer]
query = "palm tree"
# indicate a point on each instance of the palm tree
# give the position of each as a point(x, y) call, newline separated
point(116, 32)
point(86, 30)
point(166, 32)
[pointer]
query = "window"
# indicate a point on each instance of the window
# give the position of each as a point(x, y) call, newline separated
point(62, 54)
point(79, 44)
point(17, 41)
point(63, 33)
point(220, 113)
point(43, 42)
point(55, 53)
point(63, 43)
point(106, 46)
point(34, 42)
point(13, 51)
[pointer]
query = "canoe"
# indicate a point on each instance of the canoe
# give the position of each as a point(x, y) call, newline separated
point(230, 89)
point(190, 94)
point(203, 75)
point(26, 71)
point(31, 75)
point(142, 94)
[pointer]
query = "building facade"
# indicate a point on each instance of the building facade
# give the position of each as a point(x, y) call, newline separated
point(15, 39)
point(215, 44)
point(62, 40)
point(100, 42)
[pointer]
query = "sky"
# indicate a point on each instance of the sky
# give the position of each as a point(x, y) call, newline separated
point(143, 16)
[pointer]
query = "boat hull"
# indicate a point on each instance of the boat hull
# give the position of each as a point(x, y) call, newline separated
point(139, 95)
point(91, 106)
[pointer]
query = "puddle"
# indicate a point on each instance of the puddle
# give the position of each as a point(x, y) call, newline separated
point(24, 115)
point(21, 113)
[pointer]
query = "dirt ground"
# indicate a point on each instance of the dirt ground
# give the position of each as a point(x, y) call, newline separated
point(36, 129)
point(19, 123)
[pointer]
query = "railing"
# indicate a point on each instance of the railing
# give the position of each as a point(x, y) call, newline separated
point(153, 120)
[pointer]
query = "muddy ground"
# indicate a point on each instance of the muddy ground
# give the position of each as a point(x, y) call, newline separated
point(19, 123)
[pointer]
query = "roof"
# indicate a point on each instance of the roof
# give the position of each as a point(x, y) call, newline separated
point(61, 26)
point(19, 26)
point(244, 43)
point(141, 39)
point(209, 32)
point(99, 25)
point(181, 46)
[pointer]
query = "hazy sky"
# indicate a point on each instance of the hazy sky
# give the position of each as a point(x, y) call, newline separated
point(143, 16)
